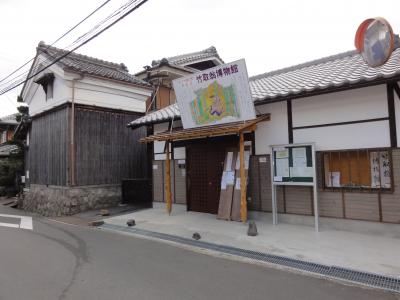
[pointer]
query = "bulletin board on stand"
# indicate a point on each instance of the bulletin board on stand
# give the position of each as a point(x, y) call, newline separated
point(293, 164)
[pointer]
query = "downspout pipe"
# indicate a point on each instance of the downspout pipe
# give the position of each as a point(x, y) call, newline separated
point(72, 132)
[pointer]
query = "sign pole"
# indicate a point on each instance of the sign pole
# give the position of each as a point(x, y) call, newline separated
point(315, 191)
point(243, 181)
point(168, 180)
point(273, 190)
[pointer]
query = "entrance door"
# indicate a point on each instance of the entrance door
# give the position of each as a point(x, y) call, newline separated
point(205, 162)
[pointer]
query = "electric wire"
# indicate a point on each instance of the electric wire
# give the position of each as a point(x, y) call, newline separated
point(21, 80)
point(57, 40)
point(119, 13)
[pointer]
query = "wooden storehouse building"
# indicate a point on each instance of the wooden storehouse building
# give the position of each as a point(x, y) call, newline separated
point(78, 148)
point(351, 112)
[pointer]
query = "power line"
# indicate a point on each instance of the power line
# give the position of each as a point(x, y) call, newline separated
point(57, 40)
point(20, 79)
point(121, 9)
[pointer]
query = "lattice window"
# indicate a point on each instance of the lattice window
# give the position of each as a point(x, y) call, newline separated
point(358, 169)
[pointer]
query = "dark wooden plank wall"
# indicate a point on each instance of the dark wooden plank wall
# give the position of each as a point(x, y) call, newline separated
point(106, 150)
point(48, 148)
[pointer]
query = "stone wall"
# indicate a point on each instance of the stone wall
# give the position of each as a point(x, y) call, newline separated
point(57, 201)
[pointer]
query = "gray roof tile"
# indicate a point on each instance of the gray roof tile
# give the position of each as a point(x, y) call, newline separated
point(333, 71)
point(318, 75)
point(90, 65)
point(189, 58)
point(9, 120)
point(7, 149)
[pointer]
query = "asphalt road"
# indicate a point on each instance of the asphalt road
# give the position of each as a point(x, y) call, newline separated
point(57, 261)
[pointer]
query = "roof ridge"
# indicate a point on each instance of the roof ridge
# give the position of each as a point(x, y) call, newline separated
point(43, 47)
point(305, 65)
point(210, 49)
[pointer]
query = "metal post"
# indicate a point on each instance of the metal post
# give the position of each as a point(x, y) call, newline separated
point(273, 190)
point(316, 211)
point(243, 182)
point(168, 180)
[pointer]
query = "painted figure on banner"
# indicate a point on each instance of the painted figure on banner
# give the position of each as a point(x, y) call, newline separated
point(214, 103)
point(215, 96)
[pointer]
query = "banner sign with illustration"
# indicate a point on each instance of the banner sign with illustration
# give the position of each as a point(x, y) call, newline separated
point(215, 96)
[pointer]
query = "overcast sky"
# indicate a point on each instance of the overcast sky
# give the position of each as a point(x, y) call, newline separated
point(268, 34)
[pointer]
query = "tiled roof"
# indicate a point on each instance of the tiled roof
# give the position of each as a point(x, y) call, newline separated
point(167, 113)
point(90, 65)
point(328, 72)
point(10, 119)
point(189, 58)
point(6, 149)
point(318, 75)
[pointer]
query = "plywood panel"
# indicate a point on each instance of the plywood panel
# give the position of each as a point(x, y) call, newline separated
point(226, 195)
point(236, 199)
point(353, 166)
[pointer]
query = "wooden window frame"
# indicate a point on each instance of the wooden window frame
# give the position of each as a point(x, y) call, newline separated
point(357, 189)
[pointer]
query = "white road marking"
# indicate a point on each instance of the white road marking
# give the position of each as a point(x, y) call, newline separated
point(25, 223)
point(9, 225)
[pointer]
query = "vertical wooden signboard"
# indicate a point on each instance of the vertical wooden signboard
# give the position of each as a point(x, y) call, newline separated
point(227, 185)
point(235, 214)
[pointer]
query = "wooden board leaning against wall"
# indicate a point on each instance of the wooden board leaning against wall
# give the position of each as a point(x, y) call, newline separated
point(236, 199)
point(227, 185)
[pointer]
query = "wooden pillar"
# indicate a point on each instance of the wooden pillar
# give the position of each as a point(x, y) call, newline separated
point(243, 181)
point(168, 180)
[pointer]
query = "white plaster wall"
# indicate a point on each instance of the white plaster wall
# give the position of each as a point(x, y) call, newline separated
point(352, 136)
point(88, 90)
point(35, 97)
point(272, 132)
point(352, 105)
point(116, 96)
point(397, 114)
point(159, 146)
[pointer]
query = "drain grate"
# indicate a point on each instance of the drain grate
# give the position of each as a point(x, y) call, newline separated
point(369, 279)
